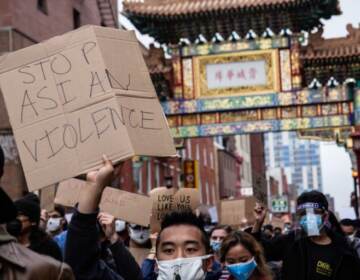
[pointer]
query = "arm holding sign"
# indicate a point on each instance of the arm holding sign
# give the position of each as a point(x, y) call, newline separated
point(126, 265)
point(82, 245)
point(275, 248)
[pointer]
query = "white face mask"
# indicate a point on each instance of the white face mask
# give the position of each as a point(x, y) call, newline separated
point(120, 225)
point(182, 269)
point(53, 224)
point(68, 217)
point(139, 236)
point(351, 237)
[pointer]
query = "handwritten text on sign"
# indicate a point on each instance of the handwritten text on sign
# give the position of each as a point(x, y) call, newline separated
point(167, 200)
point(70, 104)
point(236, 74)
point(39, 100)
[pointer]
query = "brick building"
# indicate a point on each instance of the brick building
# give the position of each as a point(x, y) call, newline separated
point(23, 23)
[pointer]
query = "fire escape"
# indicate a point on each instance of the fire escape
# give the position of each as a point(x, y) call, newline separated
point(108, 17)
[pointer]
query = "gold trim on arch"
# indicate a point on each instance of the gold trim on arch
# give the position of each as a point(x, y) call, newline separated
point(271, 58)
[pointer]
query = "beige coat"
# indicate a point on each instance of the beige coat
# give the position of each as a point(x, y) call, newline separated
point(19, 263)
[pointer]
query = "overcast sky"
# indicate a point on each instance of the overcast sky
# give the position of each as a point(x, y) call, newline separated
point(336, 165)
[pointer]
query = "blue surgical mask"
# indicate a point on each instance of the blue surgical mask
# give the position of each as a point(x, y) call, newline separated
point(242, 271)
point(311, 224)
point(215, 245)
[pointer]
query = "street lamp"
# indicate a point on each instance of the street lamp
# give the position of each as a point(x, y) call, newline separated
point(356, 202)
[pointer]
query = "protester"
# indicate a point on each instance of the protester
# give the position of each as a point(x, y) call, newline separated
point(56, 226)
point(348, 227)
point(122, 232)
point(217, 235)
point(18, 262)
point(29, 234)
point(182, 250)
point(140, 243)
point(317, 250)
point(243, 258)
point(56, 223)
point(277, 232)
point(268, 231)
point(83, 246)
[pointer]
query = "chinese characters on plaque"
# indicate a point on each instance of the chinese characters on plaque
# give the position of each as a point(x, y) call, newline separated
point(236, 74)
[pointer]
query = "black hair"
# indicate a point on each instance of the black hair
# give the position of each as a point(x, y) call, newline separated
point(2, 162)
point(334, 224)
point(347, 222)
point(313, 197)
point(60, 209)
point(269, 227)
point(185, 218)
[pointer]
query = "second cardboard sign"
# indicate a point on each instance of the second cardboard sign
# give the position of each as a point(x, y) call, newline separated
point(130, 207)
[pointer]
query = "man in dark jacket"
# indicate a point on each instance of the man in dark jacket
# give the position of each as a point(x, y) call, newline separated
point(83, 250)
point(305, 254)
point(31, 236)
point(18, 262)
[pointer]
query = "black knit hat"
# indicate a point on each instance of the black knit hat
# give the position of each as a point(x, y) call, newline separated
point(29, 206)
point(7, 208)
point(2, 162)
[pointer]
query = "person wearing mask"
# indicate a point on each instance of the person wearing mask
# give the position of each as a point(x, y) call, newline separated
point(316, 250)
point(121, 230)
point(140, 243)
point(29, 234)
point(217, 235)
point(56, 226)
point(83, 245)
point(348, 227)
point(243, 258)
point(56, 223)
point(17, 261)
point(182, 250)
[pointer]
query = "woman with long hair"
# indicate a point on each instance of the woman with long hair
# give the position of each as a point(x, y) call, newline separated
point(243, 258)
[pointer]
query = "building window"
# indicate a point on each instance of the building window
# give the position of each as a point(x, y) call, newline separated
point(76, 18)
point(42, 6)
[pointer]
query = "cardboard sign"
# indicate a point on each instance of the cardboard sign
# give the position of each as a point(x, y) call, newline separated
point(237, 212)
point(130, 207)
point(47, 196)
point(232, 212)
point(166, 200)
point(78, 96)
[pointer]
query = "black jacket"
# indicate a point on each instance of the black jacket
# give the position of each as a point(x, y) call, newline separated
point(42, 243)
point(83, 253)
point(294, 254)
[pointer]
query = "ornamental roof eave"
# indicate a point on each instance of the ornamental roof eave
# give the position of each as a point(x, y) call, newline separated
point(319, 48)
point(170, 20)
point(172, 8)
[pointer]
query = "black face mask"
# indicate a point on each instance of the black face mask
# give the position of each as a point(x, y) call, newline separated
point(14, 227)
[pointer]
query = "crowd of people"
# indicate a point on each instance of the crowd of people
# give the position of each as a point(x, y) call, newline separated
point(83, 243)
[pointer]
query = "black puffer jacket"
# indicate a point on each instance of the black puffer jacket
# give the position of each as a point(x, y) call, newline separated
point(294, 254)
